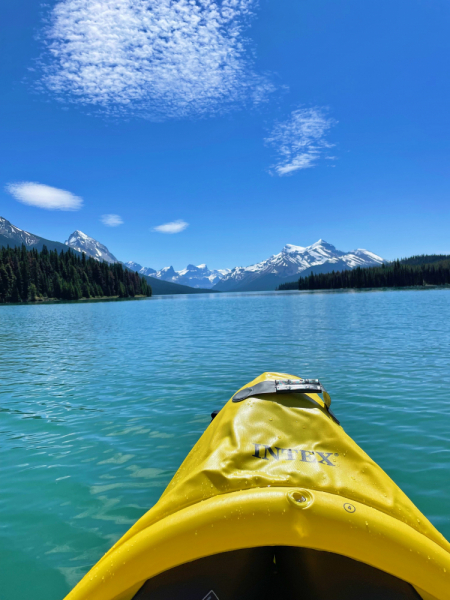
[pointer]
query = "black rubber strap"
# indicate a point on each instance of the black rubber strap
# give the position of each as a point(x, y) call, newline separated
point(278, 387)
point(287, 386)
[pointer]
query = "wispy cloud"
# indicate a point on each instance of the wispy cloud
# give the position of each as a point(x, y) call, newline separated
point(111, 220)
point(44, 196)
point(173, 227)
point(300, 141)
point(158, 58)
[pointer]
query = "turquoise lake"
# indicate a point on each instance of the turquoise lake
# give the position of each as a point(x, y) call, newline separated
point(101, 401)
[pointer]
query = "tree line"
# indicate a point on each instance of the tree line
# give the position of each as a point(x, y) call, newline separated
point(29, 275)
point(394, 274)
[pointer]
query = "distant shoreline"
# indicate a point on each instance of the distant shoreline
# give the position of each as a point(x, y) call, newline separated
point(80, 300)
point(373, 288)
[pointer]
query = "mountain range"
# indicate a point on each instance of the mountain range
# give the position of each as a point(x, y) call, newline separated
point(286, 266)
point(194, 276)
point(198, 278)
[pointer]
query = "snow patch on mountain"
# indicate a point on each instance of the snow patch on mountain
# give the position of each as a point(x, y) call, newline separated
point(83, 243)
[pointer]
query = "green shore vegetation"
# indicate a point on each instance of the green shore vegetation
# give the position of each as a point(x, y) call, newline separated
point(32, 276)
point(416, 271)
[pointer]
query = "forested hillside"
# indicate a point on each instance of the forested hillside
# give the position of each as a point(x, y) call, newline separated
point(394, 274)
point(29, 275)
point(425, 259)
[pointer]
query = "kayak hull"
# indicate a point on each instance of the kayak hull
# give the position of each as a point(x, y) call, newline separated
point(270, 472)
point(271, 517)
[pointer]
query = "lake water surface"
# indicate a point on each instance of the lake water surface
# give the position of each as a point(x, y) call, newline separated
point(101, 401)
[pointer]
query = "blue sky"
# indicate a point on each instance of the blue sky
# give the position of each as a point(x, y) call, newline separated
point(251, 125)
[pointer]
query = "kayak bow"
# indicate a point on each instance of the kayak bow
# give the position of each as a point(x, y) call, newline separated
point(276, 501)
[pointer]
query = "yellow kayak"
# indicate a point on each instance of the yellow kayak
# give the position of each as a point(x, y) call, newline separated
point(276, 501)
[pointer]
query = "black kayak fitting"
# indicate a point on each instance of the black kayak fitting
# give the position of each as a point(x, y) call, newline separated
point(287, 386)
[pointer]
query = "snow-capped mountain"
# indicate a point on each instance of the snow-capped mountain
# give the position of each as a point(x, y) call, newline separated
point(293, 261)
point(194, 276)
point(16, 235)
point(83, 243)
point(134, 266)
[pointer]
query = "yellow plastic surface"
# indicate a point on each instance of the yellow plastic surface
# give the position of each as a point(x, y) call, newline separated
point(239, 486)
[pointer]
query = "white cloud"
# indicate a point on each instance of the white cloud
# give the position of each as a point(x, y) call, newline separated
point(173, 227)
point(158, 58)
point(44, 196)
point(111, 220)
point(300, 141)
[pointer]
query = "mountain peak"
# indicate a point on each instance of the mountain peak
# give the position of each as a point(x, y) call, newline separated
point(80, 234)
point(323, 243)
point(134, 266)
point(83, 243)
point(166, 270)
point(361, 252)
point(10, 231)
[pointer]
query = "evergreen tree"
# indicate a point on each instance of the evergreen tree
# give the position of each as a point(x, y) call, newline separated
point(32, 292)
